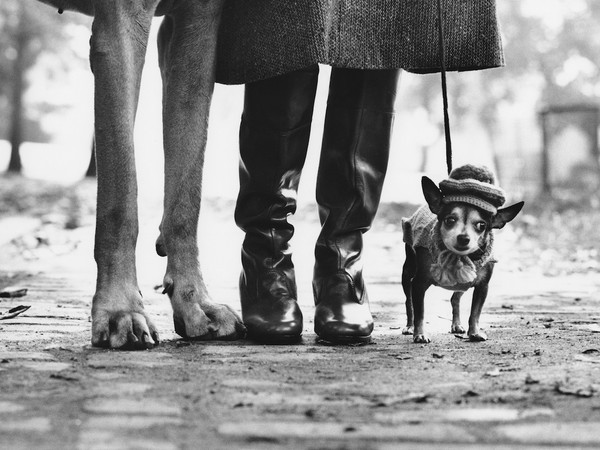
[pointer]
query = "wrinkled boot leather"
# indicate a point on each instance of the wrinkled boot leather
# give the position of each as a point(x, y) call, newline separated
point(354, 157)
point(273, 144)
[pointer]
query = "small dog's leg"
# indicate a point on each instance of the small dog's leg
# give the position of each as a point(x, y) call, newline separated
point(187, 46)
point(118, 45)
point(418, 299)
point(457, 327)
point(408, 273)
point(479, 296)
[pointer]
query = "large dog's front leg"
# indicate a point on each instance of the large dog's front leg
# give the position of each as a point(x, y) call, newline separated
point(118, 44)
point(187, 45)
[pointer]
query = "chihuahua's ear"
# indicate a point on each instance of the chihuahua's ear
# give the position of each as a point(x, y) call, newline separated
point(433, 195)
point(505, 215)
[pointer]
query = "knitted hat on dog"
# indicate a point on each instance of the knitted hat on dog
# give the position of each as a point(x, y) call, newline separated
point(474, 185)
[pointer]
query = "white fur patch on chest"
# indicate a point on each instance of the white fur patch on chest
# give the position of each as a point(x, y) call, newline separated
point(451, 270)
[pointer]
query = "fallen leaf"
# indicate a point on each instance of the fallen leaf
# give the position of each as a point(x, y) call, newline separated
point(586, 392)
point(65, 376)
point(471, 393)
point(590, 350)
point(13, 292)
point(14, 312)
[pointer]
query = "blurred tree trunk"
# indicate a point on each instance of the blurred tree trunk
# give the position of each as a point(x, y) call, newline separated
point(91, 171)
point(16, 125)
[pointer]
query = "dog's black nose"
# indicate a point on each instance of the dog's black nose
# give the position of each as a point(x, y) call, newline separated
point(462, 240)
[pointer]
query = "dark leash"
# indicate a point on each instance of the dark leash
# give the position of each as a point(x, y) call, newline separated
point(442, 54)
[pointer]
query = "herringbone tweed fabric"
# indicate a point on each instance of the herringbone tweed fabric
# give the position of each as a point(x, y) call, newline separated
point(263, 38)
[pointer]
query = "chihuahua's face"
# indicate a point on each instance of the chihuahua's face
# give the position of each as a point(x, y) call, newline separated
point(463, 228)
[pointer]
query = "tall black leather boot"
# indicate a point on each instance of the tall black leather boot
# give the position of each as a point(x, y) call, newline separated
point(273, 143)
point(354, 157)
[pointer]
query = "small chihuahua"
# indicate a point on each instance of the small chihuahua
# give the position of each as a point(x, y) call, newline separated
point(449, 244)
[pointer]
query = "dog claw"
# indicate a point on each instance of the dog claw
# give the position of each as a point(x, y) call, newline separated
point(102, 341)
point(408, 330)
point(160, 246)
point(168, 288)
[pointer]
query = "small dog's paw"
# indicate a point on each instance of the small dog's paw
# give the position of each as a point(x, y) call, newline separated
point(421, 339)
point(480, 336)
point(408, 330)
point(457, 328)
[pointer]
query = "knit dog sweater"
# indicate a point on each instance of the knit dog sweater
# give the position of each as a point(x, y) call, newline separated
point(449, 270)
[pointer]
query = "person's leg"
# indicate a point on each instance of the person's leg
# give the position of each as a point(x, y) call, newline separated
point(354, 157)
point(273, 143)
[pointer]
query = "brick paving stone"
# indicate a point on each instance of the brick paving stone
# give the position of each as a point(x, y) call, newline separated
point(346, 431)
point(45, 366)
point(146, 359)
point(145, 407)
point(117, 389)
point(464, 415)
point(33, 356)
point(10, 407)
point(291, 398)
point(102, 440)
point(479, 446)
point(30, 425)
point(125, 422)
point(565, 433)
point(251, 383)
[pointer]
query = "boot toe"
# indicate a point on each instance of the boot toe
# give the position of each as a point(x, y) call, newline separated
point(352, 324)
point(274, 325)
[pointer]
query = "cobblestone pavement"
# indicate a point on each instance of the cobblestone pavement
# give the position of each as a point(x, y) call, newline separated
point(535, 383)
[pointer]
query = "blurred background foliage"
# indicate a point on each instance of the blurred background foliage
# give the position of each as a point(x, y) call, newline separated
point(552, 58)
point(552, 50)
point(33, 38)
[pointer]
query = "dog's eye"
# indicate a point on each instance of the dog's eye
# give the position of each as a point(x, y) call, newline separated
point(449, 221)
point(480, 227)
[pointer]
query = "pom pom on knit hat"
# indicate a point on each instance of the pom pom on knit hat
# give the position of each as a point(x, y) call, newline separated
point(474, 185)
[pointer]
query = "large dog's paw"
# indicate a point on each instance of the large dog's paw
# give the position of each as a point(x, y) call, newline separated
point(122, 324)
point(198, 319)
point(421, 339)
point(225, 324)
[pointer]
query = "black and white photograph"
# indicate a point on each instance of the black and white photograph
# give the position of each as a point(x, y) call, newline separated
point(299, 224)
